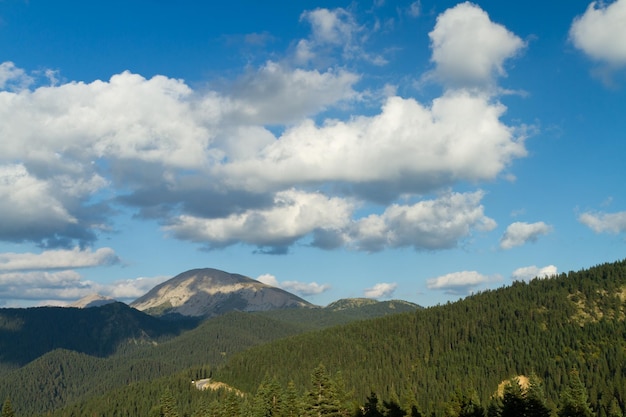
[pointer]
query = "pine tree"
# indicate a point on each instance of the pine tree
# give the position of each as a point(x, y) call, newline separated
point(535, 398)
point(370, 408)
point(7, 409)
point(168, 404)
point(268, 399)
point(513, 401)
point(393, 409)
point(574, 402)
point(291, 402)
point(614, 409)
point(322, 399)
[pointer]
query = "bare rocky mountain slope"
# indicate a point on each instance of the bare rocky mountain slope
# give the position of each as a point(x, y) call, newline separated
point(211, 292)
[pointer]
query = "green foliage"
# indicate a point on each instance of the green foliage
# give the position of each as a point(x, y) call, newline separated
point(7, 409)
point(546, 326)
point(442, 361)
point(574, 402)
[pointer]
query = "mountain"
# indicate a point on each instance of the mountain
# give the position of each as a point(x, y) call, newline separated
point(92, 300)
point(210, 292)
point(547, 327)
point(27, 333)
point(366, 304)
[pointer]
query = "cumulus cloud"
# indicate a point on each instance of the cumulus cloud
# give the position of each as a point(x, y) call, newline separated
point(293, 215)
point(13, 78)
point(67, 286)
point(28, 206)
point(406, 148)
point(213, 168)
point(268, 279)
point(600, 31)
point(275, 94)
point(300, 288)
point(426, 225)
point(528, 273)
point(468, 49)
point(604, 222)
point(520, 233)
point(381, 290)
point(335, 34)
point(57, 259)
point(128, 290)
point(305, 288)
point(460, 283)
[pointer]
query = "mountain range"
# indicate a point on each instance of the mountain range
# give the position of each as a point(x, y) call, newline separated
point(115, 360)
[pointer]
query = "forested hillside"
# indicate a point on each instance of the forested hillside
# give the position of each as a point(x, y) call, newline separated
point(27, 333)
point(114, 357)
point(567, 334)
point(546, 327)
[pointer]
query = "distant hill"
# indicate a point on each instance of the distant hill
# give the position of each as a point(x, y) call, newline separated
point(63, 375)
point(92, 300)
point(211, 292)
point(27, 333)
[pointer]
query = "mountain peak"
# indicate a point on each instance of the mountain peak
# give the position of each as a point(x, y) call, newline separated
point(209, 292)
point(92, 300)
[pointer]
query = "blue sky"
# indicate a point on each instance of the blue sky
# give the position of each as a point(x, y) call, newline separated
point(420, 150)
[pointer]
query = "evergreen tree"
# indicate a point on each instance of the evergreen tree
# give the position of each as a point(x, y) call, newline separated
point(370, 408)
point(291, 403)
point(7, 409)
point(574, 401)
point(231, 407)
point(465, 405)
point(322, 399)
point(168, 404)
point(494, 409)
point(415, 412)
point(513, 401)
point(268, 399)
point(535, 398)
point(393, 409)
point(614, 409)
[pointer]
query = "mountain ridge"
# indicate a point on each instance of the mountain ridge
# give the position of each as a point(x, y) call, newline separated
point(207, 292)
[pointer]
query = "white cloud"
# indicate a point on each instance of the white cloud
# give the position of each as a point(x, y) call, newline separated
point(605, 222)
point(166, 149)
point(12, 77)
point(461, 283)
point(528, 273)
point(293, 215)
point(519, 233)
point(600, 32)
point(405, 148)
point(305, 288)
point(275, 94)
point(64, 287)
point(301, 288)
point(335, 35)
point(129, 289)
point(57, 259)
point(426, 225)
point(334, 27)
point(468, 48)
point(381, 290)
point(268, 279)
point(29, 207)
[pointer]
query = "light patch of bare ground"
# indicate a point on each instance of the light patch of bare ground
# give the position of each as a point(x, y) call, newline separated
point(523, 381)
point(204, 384)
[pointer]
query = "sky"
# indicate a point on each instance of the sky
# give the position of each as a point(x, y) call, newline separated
point(418, 150)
